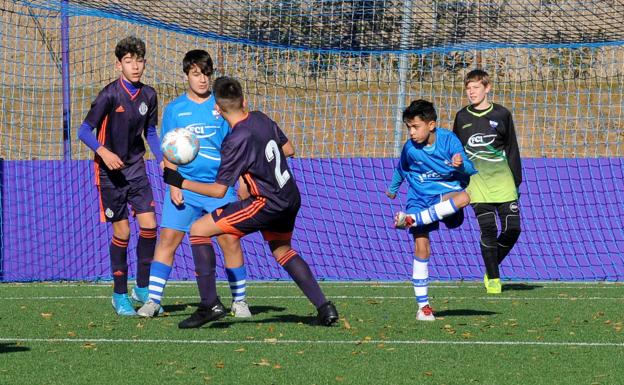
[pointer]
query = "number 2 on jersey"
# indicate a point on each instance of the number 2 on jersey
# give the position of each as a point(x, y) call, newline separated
point(272, 152)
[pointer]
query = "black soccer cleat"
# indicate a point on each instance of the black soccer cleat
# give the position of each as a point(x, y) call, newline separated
point(204, 315)
point(327, 314)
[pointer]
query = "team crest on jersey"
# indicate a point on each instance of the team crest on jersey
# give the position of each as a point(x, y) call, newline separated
point(216, 114)
point(493, 124)
point(143, 108)
point(109, 213)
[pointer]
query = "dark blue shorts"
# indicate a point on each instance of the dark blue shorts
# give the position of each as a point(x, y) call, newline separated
point(120, 188)
point(255, 214)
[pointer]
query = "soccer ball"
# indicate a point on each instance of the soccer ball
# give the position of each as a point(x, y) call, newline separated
point(180, 146)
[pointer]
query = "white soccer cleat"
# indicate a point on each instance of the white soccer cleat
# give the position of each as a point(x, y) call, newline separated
point(240, 309)
point(150, 309)
point(425, 313)
point(403, 220)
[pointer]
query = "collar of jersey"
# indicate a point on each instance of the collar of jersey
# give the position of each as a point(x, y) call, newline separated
point(480, 114)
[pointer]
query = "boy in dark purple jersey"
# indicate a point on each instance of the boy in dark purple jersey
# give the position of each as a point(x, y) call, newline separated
point(255, 150)
point(123, 112)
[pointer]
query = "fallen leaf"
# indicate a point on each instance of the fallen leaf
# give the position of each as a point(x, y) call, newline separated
point(263, 362)
point(46, 315)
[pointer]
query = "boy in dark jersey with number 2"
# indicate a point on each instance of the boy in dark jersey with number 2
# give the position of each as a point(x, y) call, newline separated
point(255, 150)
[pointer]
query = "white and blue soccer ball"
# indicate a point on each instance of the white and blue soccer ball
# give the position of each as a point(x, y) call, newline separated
point(180, 146)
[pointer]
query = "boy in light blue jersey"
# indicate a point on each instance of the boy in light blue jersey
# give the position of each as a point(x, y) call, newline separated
point(437, 170)
point(195, 111)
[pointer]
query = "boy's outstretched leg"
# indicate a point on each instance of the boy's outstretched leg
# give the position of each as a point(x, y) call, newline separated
point(439, 211)
point(300, 272)
point(210, 307)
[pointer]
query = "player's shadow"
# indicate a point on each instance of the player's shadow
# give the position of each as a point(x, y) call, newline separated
point(11, 347)
point(281, 318)
point(463, 313)
point(520, 286)
point(176, 308)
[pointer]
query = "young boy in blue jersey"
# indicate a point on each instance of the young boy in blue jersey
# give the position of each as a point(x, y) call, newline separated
point(195, 111)
point(256, 150)
point(437, 170)
point(489, 137)
point(123, 113)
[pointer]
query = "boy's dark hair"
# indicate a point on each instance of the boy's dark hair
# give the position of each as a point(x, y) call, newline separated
point(201, 59)
point(228, 93)
point(421, 108)
point(130, 45)
point(477, 76)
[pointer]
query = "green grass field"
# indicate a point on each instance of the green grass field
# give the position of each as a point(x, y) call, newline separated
point(534, 333)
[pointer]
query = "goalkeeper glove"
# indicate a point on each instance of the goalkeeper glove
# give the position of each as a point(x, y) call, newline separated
point(173, 177)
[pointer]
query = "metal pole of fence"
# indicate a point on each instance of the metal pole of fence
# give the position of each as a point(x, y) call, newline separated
point(67, 153)
point(403, 74)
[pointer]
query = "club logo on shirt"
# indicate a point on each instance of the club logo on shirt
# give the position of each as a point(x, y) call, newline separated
point(109, 213)
point(216, 114)
point(428, 175)
point(143, 108)
point(480, 140)
point(493, 124)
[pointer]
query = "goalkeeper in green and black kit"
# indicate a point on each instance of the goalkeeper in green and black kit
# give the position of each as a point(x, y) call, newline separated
point(487, 132)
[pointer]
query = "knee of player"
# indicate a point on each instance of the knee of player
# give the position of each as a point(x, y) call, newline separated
point(461, 200)
point(170, 239)
point(121, 231)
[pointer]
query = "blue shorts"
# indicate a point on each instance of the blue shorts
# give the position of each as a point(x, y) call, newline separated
point(423, 202)
point(195, 206)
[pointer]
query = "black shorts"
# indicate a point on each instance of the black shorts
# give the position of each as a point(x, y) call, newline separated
point(255, 214)
point(118, 188)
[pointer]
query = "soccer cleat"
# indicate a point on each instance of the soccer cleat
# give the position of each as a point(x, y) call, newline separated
point(140, 294)
point(403, 220)
point(485, 280)
point(494, 286)
point(150, 309)
point(204, 315)
point(122, 304)
point(327, 314)
point(425, 313)
point(240, 309)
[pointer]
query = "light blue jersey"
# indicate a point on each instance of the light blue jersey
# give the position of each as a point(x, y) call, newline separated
point(210, 128)
point(429, 172)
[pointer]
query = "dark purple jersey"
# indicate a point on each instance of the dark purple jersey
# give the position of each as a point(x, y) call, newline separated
point(122, 119)
point(254, 150)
